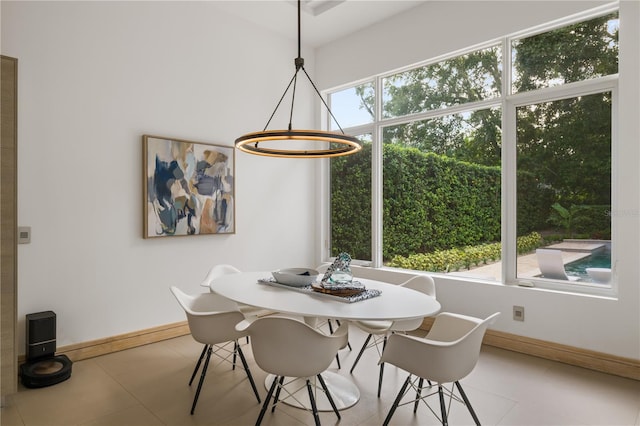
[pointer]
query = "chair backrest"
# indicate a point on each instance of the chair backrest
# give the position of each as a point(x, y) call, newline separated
point(551, 264)
point(423, 284)
point(322, 268)
point(377, 274)
point(212, 318)
point(288, 347)
point(448, 353)
point(218, 271)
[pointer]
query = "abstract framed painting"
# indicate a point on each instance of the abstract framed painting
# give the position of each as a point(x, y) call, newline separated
point(189, 188)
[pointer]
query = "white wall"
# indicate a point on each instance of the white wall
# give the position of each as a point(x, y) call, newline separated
point(93, 78)
point(438, 27)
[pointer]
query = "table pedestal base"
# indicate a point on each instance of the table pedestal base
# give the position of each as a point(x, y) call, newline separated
point(343, 391)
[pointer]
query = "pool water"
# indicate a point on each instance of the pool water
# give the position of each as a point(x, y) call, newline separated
point(598, 259)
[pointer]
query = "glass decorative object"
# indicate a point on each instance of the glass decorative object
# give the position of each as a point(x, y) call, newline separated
point(339, 272)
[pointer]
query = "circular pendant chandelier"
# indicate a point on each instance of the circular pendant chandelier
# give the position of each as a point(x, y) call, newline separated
point(292, 143)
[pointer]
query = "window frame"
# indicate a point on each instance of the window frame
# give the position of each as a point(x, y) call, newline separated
point(508, 103)
point(509, 196)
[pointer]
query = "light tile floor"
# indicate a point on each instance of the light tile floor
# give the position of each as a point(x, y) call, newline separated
point(148, 386)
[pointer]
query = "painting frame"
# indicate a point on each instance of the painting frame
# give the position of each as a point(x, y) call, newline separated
point(188, 188)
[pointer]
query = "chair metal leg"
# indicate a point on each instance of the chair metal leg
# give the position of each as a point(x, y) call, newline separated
point(266, 401)
point(316, 416)
point(467, 403)
point(348, 344)
point(246, 369)
point(235, 353)
point(364, 346)
point(380, 378)
point(195, 370)
point(381, 368)
point(329, 397)
point(204, 373)
point(331, 332)
point(275, 398)
point(443, 408)
point(418, 393)
point(397, 401)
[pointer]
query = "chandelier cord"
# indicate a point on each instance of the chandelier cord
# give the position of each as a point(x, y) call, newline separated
point(323, 101)
point(293, 98)
point(299, 63)
point(280, 101)
point(299, 37)
point(340, 143)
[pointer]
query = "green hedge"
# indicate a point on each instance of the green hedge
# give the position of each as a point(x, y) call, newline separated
point(462, 258)
point(431, 202)
point(351, 204)
point(435, 203)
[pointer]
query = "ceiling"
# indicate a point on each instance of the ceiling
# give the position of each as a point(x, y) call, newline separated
point(322, 21)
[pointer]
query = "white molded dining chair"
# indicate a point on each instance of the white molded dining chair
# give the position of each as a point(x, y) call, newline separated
point(212, 320)
point(447, 354)
point(288, 348)
point(225, 269)
point(381, 330)
point(218, 271)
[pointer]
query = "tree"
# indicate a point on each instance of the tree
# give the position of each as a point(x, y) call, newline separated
point(564, 141)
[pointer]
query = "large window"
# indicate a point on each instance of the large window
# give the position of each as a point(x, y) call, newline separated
point(473, 162)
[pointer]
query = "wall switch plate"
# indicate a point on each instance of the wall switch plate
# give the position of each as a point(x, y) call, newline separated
point(518, 313)
point(24, 234)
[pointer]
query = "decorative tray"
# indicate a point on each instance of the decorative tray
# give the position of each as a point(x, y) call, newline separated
point(361, 295)
point(337, 291)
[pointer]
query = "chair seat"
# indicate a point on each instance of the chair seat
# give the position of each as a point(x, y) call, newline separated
point(374, 327)
point(253, 311)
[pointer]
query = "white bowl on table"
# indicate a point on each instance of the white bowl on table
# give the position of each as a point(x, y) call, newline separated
point(295, 277)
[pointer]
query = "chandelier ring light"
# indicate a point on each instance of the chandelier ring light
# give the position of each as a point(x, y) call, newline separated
point(338, 143)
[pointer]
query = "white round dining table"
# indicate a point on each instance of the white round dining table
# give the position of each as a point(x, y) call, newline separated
point(394, 303)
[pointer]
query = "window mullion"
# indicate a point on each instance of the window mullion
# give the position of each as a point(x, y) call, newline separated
point(376, 182)
point(509, 193)
point(509, 171)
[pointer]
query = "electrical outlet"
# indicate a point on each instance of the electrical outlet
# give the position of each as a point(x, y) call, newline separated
point(24, 234)
point(518, 313)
